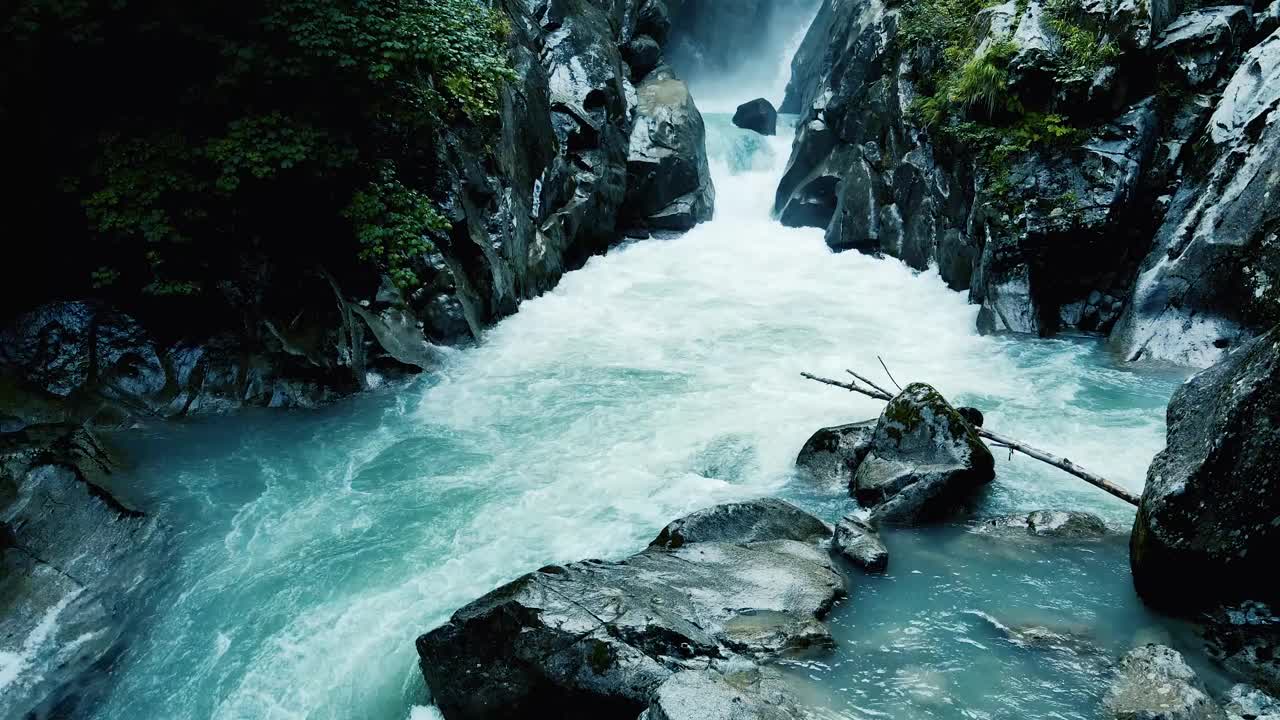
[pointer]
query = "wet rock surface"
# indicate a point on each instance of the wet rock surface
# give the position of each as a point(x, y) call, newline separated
point(925, 460)
point(599, 639)
point(832, 454)
point(1156, 682)
point(669, 184)
point(73, 558)
point(1208, 511)
point(709, 695)
point(1210, 280)
point(858, 540)
point(750, 521)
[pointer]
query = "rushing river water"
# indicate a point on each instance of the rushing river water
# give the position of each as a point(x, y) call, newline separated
point(309, 549)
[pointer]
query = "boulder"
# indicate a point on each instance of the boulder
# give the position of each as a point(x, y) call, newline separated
point(925, 460)
point(1205, 531)
point(751, 521)
point(758, 115)
point(669, 184)
point(832, 454)
point(1155, 682)
point(1210, 280)
point(1244, 702)
point(598, 639)
point(708, 695)
point(858, 541)
point(1061, 524)
point(1199, 44)
point(642, 54)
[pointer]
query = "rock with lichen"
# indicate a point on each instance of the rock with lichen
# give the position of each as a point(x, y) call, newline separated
point(925, 460)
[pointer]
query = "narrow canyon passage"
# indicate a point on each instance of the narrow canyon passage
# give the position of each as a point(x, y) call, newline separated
point(664, 377)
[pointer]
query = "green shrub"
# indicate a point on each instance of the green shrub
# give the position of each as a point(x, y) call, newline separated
point(220, 130)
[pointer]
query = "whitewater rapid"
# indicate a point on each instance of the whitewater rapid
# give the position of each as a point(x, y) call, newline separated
point(312, 548)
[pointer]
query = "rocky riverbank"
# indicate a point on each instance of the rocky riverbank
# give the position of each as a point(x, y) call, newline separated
point(1117, 178)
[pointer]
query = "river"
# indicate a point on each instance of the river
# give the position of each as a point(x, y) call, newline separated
point(311, 548)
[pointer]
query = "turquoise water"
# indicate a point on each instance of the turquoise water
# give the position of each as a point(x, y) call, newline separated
point(313, 547)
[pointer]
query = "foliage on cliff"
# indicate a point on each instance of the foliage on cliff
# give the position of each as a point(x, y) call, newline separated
point(172, 143)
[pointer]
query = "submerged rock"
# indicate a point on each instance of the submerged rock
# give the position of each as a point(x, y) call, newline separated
point(1063, 524)
point(858, 540)
point(758, 115)
point(1244, 641)
point(598, 639)
point(708, 695)
point(833, 454)
point(924, 462)
point(1245, 702)
point(1206, 528)
point(668, 179)
point(1155, 682)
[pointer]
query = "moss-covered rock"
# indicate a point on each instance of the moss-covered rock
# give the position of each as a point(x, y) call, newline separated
point(925, 460)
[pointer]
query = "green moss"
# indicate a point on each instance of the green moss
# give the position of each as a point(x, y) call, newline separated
point(1085, 48)
point(600, 657)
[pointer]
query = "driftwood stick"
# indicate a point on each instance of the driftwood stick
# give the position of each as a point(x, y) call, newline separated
point(868, 382)
point(1062, 464)
point(996, 439)
point(852, 387)
point(886, 372)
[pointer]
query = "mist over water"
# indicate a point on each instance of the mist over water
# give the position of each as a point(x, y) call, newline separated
point(730, 57)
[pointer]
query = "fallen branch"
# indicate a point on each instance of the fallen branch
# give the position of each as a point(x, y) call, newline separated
point(868, 382)
point(1062, 464)
point(852, 387)
point(998, 440)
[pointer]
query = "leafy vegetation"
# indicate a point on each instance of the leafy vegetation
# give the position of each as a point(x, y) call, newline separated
point(173, 140)
point(965, 92)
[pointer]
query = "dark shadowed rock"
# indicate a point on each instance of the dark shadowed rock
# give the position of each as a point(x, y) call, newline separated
point(1155, 682)
point(858, 540)
point(669, 184)
point(832, 454)
point(1206, 528)
point(597, 639)
point(1244, 640)
point(742, 522)
point(925, 460)
point(1062, 524)
point(758, 115)
point(642, 54)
